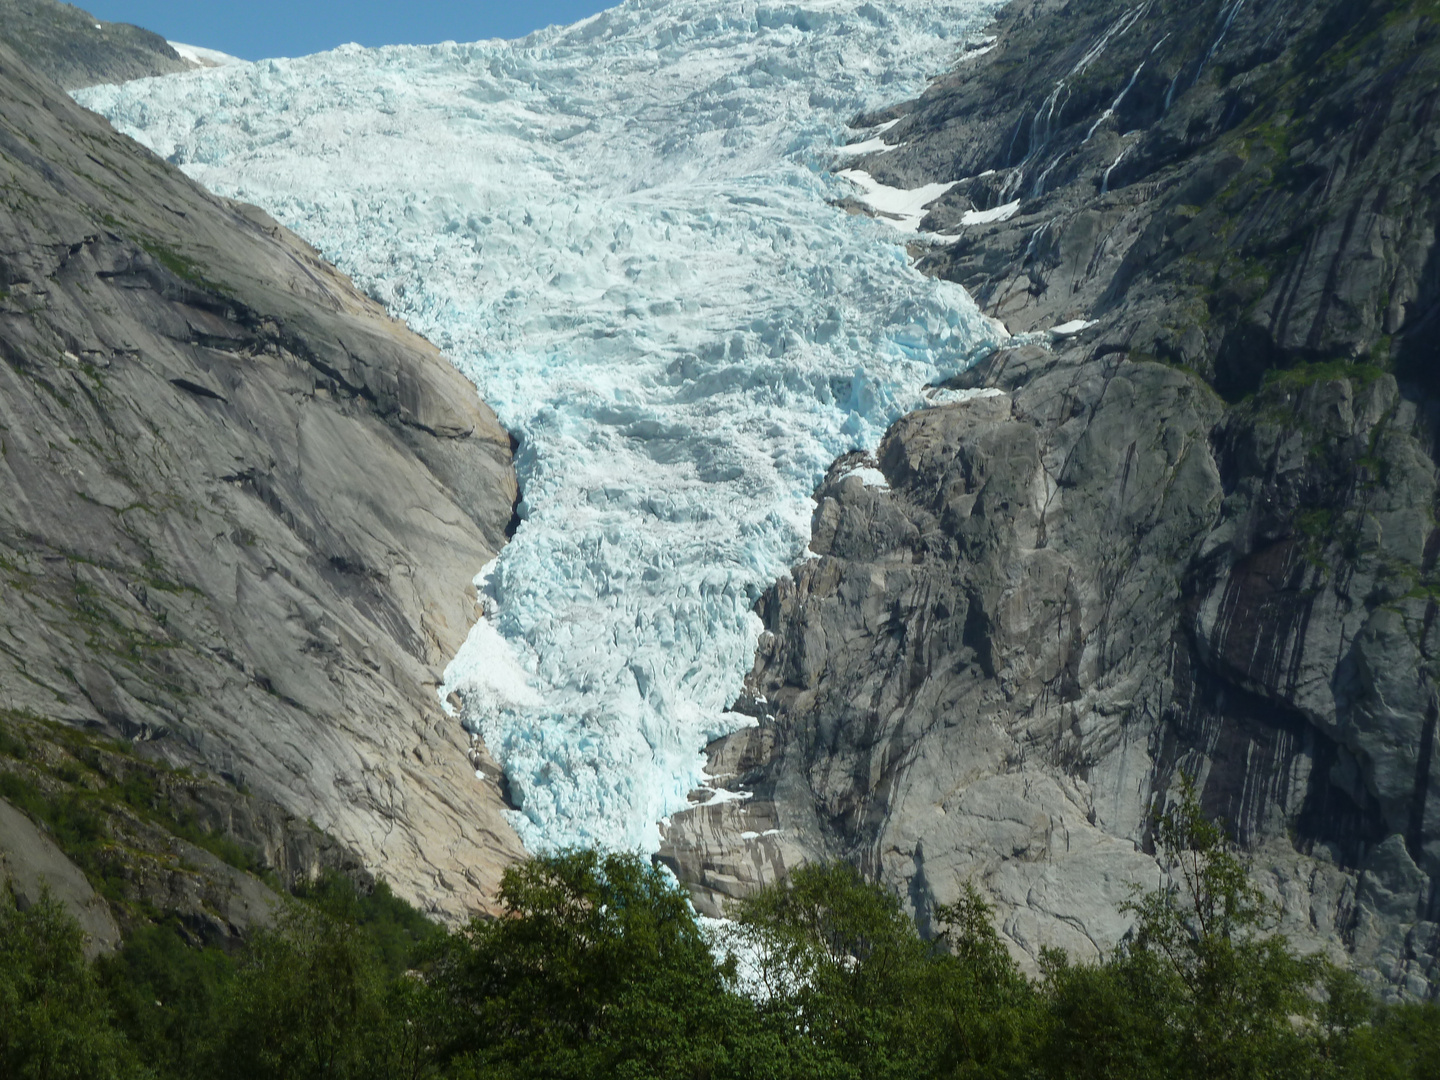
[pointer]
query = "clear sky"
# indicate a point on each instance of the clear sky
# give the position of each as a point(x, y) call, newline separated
point(255, 29)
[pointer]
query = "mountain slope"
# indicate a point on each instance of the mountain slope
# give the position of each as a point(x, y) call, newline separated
point(1196, 534)
point(240, 508)
point(75, 49)
point(617, 229)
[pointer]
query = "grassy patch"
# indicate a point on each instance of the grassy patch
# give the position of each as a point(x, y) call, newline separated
point(1300, 376)
point(75, 782)
point(177, 264)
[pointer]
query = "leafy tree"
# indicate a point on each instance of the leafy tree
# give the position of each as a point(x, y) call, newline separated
point(991, 1011)
point(55, 1023)
point(1361, 1039)
point(168, 997)
point(1402, 1043)
point(396, 934)
point(855, 991)
point(1106, 1020)
point(1205, 987)
point(598, 969)
point(308, 1003)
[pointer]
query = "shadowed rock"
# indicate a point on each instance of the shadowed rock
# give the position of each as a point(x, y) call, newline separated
point(1196, 535)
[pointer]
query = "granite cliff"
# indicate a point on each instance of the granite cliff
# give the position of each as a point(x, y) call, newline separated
point(1188, 525)
point(240, 512)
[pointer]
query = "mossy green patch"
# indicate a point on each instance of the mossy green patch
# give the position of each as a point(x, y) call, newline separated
point(74, 781)
point(1360, 375)
point(177, 264)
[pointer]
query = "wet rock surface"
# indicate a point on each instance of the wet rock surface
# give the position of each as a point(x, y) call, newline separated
point(240, 508)
point(1196, 535)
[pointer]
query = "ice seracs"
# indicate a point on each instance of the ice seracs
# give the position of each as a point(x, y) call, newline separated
point(624, 232)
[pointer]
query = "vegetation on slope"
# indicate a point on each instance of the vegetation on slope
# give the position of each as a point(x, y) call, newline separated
point(159, 844)
point(601, 970)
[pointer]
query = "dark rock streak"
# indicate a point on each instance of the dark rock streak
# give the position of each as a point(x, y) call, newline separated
point(1197, 536)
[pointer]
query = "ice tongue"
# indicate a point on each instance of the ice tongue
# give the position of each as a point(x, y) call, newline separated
point(624, 232)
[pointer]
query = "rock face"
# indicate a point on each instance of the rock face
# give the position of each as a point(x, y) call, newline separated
point(75, 49)
point(159, 843)
point(240, 508)
point(31, 865)
point(1198, 535)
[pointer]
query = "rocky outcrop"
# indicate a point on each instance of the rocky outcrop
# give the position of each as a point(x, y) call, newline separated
point(33, 867)
point(75, 49)
point(1233, 186)
point(240, 508)
point(160, 844)
point(1195, 536)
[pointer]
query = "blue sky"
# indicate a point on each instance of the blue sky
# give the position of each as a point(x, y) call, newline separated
point(254, 29)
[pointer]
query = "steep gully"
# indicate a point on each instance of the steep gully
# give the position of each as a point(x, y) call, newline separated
point(1195, 536)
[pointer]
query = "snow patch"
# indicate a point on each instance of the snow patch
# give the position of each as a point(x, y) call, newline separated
point(723, 795)
point(986, 217)
point(203, 58)
point(877, 145)
point(868, 475)
point(486, 671)
point(1071, 328)
point(943, 396)
point(905, 208)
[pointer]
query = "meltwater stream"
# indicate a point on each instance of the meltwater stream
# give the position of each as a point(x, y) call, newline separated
point(623, 231)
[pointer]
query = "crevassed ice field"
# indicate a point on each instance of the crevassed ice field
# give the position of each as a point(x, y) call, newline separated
point(622, 231)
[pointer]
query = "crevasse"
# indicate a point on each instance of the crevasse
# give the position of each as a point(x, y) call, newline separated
point(624, 232)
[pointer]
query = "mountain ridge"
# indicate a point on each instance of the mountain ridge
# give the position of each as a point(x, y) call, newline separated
point(75, 49)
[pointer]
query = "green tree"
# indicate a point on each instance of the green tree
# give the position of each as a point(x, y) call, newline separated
point(168, 996)
point(990, 1010)
point(597, 969)
point(55, 1023)
point(308, 1003)
point(852, 990)
point(1362, 1039)
point(1401, 1043)
point(1205, 987)
point(1107, 1020)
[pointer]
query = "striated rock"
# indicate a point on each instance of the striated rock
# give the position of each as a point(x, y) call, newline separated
point(1229, 186)
point(240, 508)
point(960, 672)
point(75, 49)
point(1080, 582)
point(1192, 532)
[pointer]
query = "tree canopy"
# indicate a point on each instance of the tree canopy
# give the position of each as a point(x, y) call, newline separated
point(600, 968)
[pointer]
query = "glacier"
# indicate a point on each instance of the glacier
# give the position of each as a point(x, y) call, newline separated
point(628, 234)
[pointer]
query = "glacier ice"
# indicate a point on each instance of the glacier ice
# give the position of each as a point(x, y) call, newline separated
point(626, 233)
